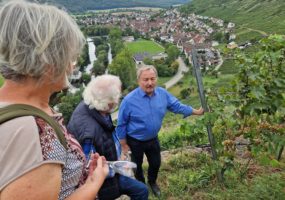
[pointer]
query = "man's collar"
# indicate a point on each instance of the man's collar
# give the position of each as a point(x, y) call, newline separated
point(143, 94)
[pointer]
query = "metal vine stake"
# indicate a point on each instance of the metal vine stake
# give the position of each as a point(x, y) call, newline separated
point(198, 76)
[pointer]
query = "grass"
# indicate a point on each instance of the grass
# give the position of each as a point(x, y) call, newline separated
point(187, 175)
point(162, 80)
point(141, 46)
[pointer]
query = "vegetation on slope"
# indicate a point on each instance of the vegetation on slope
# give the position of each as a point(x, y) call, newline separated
point(250, 107)
point(187, 175)
point(264, 16)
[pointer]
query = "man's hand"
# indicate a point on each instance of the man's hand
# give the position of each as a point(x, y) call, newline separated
point(200, 111)
point(125, 149)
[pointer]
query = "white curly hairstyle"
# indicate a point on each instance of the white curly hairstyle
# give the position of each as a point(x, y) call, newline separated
point(102, 91)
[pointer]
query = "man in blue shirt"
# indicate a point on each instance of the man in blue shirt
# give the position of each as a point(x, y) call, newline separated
point(139, 121)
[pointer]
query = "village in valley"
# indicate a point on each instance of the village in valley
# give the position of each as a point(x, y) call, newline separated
point(186, 32)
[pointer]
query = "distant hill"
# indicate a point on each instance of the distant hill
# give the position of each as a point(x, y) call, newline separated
point(262, 15)
point(85, 5)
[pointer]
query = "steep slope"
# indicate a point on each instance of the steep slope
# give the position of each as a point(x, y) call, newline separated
point(261, 15)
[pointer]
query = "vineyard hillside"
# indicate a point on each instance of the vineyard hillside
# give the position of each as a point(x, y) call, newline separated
point(261, 15)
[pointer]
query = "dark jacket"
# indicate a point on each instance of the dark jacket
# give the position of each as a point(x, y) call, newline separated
point(88, 123)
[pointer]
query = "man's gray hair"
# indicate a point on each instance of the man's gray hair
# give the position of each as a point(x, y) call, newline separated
point(35, 39)
point(101, 91)
point(145, 68)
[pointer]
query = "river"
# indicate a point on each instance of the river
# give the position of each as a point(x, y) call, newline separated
point(92, 55)
point(93, 58)
point(110, 59)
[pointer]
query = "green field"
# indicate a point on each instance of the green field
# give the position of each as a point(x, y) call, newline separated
point(141, 46)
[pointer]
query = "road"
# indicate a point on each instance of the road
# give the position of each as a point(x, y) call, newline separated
point(263, 33)
point(221, 61)
point(179, 75)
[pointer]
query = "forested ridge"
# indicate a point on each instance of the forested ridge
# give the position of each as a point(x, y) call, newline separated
point(82, 6)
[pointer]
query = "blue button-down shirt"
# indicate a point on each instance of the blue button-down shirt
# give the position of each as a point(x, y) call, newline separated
point(140, 115)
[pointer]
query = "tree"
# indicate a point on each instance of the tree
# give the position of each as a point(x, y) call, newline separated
point(148, 61)
point(68, 103)
point(137, 34)
point(115, 34)
point(98, 68)
point(86, 78)
point(163, 70)
point(172, 53)
point(117, 46)
point(128, 31)
point(98, 40)
point(103, 57)
point(96, 30)
point(124, 67)
point(219, 36)
point(101, 47)
point(174, 65)
point(84, 59)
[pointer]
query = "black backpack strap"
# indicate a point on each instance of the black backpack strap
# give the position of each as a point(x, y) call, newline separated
point(19, 110)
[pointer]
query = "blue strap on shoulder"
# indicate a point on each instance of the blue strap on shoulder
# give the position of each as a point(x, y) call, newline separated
point(88, 147)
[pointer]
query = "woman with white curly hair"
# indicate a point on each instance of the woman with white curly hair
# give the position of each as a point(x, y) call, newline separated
point(92, 125)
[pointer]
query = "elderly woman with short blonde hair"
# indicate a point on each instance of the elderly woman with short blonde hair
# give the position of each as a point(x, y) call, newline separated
point(38, 46)
point(92, 126)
